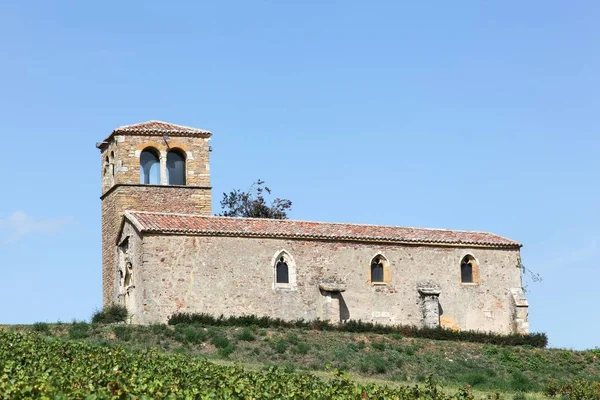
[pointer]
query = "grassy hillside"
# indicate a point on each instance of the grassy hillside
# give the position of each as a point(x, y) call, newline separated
point(519, 370)
point(34, 367)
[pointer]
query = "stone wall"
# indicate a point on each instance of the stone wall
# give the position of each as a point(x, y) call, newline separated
point(176, 199)
point(121, 190)
point(120, 158)
point(228, 275)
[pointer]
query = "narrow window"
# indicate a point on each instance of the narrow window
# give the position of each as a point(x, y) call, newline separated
point(112, 163)
point(175, 168)
point(466, 270)
point(282, 271)
point(149, 168)
point(377, 270)
point(128, 275)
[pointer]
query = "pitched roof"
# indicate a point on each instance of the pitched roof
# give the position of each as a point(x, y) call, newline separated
point(187, 224)
point(158, 128)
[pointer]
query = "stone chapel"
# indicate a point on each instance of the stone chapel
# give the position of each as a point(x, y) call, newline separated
point(164, 252)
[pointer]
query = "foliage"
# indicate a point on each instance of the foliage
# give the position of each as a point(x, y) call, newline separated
point(252, 204)
point(219, 340)
point(301, 348)
point(111, 314)
point(35, 367)
point(579, 389)
point(41, 327)
point(534, 276)
point(190, 334)
point(246, 335)
point(79, 330)
point(122, 332)
point(515, 339)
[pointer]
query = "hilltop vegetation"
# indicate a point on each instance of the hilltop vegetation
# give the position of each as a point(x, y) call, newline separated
point(367, 357)
point(52, 369)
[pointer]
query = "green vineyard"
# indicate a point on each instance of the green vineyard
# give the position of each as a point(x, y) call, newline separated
point(34, 367)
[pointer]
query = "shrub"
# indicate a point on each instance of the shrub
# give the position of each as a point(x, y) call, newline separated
point(41, 327)
point(246, 335)
point(79, 330)
point(374, 364)
point(579, 389)
point(293, 338)
point(194, 334)
point(280, 346)
point(111, 314)
point(159, 329)
point(227, 350)
point(122, 332)
point(219, 340)
point(409, 351)
point(521, 383)
point(475, 378)
point(398, 331)
point(301, 348)
point(378, 346)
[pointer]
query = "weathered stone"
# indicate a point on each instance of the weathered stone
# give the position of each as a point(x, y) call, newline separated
point(329, 279)
point(430, 305)
point(332, 287)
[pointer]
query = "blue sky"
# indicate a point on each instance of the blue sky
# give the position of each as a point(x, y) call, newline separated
point(464, 115)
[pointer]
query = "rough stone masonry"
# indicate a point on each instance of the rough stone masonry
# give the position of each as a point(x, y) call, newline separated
point(163, 252)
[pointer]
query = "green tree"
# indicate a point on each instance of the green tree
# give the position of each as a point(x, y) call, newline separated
point(252, 203)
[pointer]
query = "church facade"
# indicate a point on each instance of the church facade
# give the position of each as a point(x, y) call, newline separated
point(163, 252)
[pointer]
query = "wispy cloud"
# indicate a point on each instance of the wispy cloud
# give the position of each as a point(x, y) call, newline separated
point(19, 224)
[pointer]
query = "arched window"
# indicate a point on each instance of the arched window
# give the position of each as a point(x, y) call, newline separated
point(175, 168)
point(377, 270)
point(112, 163)
point(466, 269)
point(282, 271)
point(380, 272)
point(149, 167)
point(106, 165)
point(128, 275)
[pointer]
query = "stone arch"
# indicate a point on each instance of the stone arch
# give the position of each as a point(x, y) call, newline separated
point(469, 270)
point(282, 260)
point(380, 272)
point(176, 166)
point(111, 163)
point(150, 166)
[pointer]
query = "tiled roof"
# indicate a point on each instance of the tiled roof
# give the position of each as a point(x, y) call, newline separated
point(159, 127)
point(185, 224)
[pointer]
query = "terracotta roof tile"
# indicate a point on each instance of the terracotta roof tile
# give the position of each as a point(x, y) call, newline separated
point(155, 128)
point(160, 127)
point(150, 222)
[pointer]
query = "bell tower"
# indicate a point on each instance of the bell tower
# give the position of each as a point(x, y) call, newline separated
point(150, 166)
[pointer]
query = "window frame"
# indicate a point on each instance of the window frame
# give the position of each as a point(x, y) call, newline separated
point(291, 266)
point(284, 275)
point(386, 273)
point(474, 263)
point(180, 153)
point(143, 176)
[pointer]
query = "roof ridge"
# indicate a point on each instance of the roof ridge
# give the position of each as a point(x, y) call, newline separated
point(184, 223)
point(316, 222)
point(140, 125)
